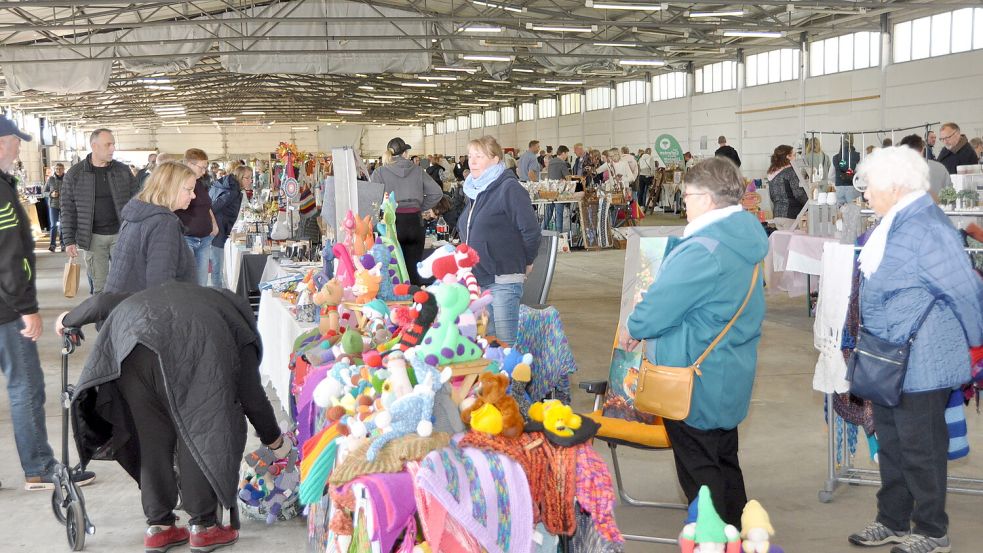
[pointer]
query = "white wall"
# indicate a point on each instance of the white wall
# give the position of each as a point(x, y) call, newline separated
point(936, 89)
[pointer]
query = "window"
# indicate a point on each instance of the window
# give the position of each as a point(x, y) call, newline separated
point(428, 129)
point(844, 53)
point(630, 93)
point(463, 122)
point(527, 111)
point(547, 107)
point(716, 77)
point(668, 86)
point(441, 127)
point(477, 120)
point(451, 125)
point(570, 104)
point(598, 98)
point(938, 35)
point(508, 115)
point(491, 118)
point(771, 67)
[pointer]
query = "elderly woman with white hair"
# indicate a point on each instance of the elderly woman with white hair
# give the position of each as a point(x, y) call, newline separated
point(917, 288)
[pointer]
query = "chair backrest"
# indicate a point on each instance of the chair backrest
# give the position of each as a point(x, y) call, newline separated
point(537, 287)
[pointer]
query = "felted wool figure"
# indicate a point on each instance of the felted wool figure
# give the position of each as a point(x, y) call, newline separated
point(368, 277)
point(329, 297)
point(756, 529)
point(444, 343)
point(494, 392)
point(346, 267)
point(363, 237)
point(408, 414)
point(425, 306)
point(709, 534)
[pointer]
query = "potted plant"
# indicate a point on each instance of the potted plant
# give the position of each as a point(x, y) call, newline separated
point(947, 197)
point(968, 198)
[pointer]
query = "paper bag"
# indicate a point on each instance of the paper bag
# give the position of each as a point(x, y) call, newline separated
point(70, 281)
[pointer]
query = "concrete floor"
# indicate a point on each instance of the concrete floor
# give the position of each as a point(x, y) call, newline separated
point(783, 439)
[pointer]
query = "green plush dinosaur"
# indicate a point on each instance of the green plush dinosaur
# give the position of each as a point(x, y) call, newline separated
point(444, 342)
point(389, 238)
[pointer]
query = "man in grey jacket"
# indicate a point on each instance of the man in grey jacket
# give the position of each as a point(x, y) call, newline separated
point(94, 193)
point(938, 175)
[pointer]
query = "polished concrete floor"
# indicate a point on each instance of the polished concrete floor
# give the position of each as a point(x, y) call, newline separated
point(783, 441)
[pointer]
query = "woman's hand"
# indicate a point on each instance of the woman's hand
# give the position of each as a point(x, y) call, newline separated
point(60, 324)
point(528, 269)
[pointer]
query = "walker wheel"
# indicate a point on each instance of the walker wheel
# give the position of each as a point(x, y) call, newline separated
point(75, 527)
point(825, 496)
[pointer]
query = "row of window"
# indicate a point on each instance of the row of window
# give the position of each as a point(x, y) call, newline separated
point(938, 35)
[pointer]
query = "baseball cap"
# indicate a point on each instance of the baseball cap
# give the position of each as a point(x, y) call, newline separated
point(397, 146)
point(8, 127)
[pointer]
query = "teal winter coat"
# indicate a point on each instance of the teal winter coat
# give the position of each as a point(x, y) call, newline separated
point(700, 286)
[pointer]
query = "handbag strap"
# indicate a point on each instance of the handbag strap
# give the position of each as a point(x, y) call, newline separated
point(747, 298)
point(921, 320)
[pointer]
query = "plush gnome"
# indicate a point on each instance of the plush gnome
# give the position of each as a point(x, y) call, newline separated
point(709, 534)
point(756, 529)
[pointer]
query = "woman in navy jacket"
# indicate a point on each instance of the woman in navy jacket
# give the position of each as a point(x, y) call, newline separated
point(226, 197)
point(914, 258)
point(499, 223)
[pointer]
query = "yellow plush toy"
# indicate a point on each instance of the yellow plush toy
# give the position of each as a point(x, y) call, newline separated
point(487, 419)
point(556, 417)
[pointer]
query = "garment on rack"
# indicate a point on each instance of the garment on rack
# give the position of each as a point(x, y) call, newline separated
point(955, 421)
point(595, 495)
point(541, 334)
point(831, 311)
point(387, 501)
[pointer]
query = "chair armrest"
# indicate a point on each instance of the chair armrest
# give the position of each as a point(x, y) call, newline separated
point(596, 387)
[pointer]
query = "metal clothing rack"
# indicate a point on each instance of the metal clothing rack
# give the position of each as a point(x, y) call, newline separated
point(846, 473)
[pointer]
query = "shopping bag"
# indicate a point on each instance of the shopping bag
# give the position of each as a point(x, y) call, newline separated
point(70, 280)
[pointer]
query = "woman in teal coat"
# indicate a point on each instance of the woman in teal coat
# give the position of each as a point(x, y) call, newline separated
point(702, 283)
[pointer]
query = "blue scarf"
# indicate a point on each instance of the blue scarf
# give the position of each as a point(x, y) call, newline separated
point(476, 185)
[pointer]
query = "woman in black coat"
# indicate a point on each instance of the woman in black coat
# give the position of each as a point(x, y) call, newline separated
point(787, 196)
point(177, 368)
point(151, 248)
point(226, 195)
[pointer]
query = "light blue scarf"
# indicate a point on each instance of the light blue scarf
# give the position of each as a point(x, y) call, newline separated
point(476, 185)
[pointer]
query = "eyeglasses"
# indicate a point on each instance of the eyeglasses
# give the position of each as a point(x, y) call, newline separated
point(688, 194)
point(946, 138)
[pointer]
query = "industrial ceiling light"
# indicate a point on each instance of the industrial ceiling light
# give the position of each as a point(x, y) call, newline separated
point(561, 28)
point(725, 13)
point(474, 105)
point(223, 118)
point(471, 70)
point(539, 88)
point(754, 34)
point(617, 44)
point(253, 113)
point(493, 81)
point(563, 82)
point(650, 63)
point(299, 128)
point(366, 87)
point(348, 111)
point(439, 78)
point(156, 87)
point(419, 85)
point(480, 29)
point(375, 101)
point(617, 6)
point(505, 7)
point(388, 97)
point(485, 57)
point(521, 70)
point(162, 115)
point(154, 81)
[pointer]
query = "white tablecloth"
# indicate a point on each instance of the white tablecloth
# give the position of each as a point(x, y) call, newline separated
point(792, 256)
point(278, 329)
point(232, 263)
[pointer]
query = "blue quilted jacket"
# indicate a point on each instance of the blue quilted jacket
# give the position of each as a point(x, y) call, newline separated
point(924, 259)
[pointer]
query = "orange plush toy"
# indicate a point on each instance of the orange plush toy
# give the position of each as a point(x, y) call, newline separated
point(494, 411)
point(364, 239)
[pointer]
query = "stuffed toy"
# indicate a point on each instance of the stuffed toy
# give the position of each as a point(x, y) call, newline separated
point(444, 342)
point(329, 297)
point(559, 424)
point(408, 414)
point(399, 379)
point(390, 271)
point(709, 534)
point(349, 226)
point(493, 391)
point(446, 413)
point(448, 264)
point(375, 313)
point(327, 266)
point(363, 237)
point(425, 267)
point(368, 277)
point(389, 238)
point(756, 529)
point(346, 267)
point(425, 305)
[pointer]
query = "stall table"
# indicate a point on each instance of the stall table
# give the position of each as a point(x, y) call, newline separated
point(278, 330)
point(793, 257)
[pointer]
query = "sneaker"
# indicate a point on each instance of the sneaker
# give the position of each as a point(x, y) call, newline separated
point(159, 539)
point(39, 483)
point(877, 534)
point(205, 540)
point(51, 249)
point(917, 543)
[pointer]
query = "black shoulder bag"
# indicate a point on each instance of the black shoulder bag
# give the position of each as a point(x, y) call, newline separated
point(877, 367)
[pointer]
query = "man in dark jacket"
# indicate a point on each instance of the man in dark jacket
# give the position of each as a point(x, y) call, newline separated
point(20, 324)
point(957, 149)
point(844, 166)
point(94, 193)
point(727, 151)
point(184, 361)
point(52, 191)
point(226, 195)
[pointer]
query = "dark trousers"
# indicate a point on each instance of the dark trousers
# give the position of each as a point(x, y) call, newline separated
point(412, 238)
point(643, 187)
point(54, 215)
point(142, 385)
point(913, 443)
point(709, 458)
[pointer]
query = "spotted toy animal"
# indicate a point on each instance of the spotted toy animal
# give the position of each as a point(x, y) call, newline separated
point(444, 342)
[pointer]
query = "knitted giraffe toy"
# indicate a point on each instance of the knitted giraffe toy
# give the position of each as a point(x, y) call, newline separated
point(389, 238)
point(444, 342)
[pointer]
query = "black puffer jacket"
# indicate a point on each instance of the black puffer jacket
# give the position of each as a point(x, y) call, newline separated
point(201, 336)
point(151, 249)
point(963, 154)
point(787, 195)
point(226, 195)
point(78, 198)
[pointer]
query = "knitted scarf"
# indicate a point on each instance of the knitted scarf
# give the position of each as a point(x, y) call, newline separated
point(392, 507)
point(485, 492)
point(541, 334)
point(476, 185)
point(595, 493)
point(550, 469)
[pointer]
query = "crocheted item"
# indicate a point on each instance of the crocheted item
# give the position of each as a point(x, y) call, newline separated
point(595, 492)
point(955, 420)
point(442, 532)
point(541, 334)
point(551, 471)
point(391, 458)
point(485, 492)
point(588, 540)
point(392, 506)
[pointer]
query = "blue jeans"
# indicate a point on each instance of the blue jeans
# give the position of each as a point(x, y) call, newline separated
point(25, 387)
point(551, 223)
point(218, 267)
point(202, 248)
point(503, 317)
point(846, 194)
point(54, 214)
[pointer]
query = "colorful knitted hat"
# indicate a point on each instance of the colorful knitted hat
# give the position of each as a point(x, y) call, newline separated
point(486, 492)
point(709, 525)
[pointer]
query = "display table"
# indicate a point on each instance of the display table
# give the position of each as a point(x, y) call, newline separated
point(232, 262)
point(549, 212)
point(792, 258)
point(278, 330)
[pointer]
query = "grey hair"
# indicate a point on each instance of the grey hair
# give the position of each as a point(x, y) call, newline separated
point(720, 177)
point(893, 167)
point(95, 134)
